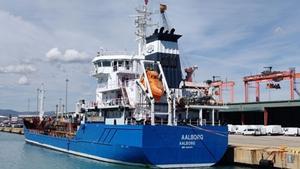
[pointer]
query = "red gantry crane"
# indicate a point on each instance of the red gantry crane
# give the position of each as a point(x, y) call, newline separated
point(272, 78)
point(220, 86)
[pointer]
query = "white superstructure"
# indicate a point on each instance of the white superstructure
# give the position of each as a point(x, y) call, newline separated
point(147, 88)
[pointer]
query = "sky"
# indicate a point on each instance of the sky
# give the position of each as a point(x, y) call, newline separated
point(50, 41)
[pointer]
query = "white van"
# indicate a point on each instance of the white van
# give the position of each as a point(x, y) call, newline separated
point(263, 130)
point(231, 129)
point(291, 131)
point(241, 128)
point(252, 132)
point(274, 130)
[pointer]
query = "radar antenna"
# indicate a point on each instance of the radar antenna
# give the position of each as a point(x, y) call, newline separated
point(142, 21)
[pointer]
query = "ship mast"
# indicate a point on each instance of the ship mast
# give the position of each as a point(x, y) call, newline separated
point(142, 20)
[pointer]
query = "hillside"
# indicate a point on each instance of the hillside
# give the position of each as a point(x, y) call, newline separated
point(7, 112)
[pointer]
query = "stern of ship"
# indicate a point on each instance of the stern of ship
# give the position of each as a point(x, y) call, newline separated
point(184, 146)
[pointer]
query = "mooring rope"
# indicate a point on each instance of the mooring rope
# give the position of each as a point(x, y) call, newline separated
point(209, 131)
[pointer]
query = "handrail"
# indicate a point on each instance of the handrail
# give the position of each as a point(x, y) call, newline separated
point(115, 102)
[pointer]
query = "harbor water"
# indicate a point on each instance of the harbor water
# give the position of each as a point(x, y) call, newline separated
point(16, 154)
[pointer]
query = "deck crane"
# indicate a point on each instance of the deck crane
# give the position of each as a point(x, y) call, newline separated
point(189, 72)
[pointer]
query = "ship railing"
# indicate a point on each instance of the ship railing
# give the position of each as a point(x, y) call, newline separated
point(101, 70)
point(54, 133)
point(128, 69)
point(215, 123)
point(116, 84)
point(123, 83)
point(110, 52)
point(91, 104)
point(123, 69)
point(115, 102)
point(95, 119)
point(112, 85)
point(161, 121)
point(195, 122)
point(113, 68)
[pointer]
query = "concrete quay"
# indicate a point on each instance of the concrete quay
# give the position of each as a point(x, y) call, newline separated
point(264, 151)
point(12, 130)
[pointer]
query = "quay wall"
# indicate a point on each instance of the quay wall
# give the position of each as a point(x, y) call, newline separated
point(12, 130)
point(263, 156)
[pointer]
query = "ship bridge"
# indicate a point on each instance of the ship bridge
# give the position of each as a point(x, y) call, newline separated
point(106, 64)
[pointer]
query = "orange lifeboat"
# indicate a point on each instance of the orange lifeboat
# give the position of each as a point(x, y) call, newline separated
point(155, 84)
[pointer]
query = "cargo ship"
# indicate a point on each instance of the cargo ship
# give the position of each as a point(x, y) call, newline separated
point(144, 114)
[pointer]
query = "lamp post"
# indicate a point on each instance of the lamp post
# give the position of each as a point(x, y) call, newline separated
point(66, 104)
point(28, 105)
point(37, 99)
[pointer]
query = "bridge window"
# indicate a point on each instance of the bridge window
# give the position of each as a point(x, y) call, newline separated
point(127, 64)
point(99, 64)
point(115, 68)
point(120, 63)
point(106, 63)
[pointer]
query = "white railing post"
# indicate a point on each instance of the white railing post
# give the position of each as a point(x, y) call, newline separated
point(200, 116)
point(213, 117)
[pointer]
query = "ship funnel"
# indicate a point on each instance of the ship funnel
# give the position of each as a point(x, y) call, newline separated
point(162, 46)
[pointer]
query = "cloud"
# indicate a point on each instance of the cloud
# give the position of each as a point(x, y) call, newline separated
point(279, 30)
point(227, 39)
point(69, 56)
point(23, 81)
point(18, 69)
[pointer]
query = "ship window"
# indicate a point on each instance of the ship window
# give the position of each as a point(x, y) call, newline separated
point(127, 64)
point(106, 63)
point(120, 63)
point(115, 66)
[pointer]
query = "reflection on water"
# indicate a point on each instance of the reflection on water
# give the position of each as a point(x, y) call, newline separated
point(16, 154)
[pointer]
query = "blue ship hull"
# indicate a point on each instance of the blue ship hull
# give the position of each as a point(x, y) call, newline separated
point(158, 146)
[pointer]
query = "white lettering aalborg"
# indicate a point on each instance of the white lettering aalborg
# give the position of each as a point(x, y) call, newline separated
point(192, 137)
point(188, 141)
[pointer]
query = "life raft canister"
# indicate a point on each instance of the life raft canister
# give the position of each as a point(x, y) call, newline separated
point(155, 84)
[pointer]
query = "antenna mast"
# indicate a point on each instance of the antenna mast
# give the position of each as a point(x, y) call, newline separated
point(141, 23)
